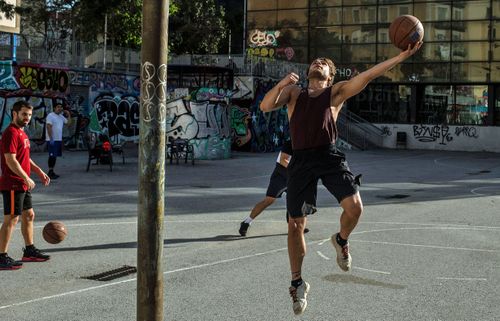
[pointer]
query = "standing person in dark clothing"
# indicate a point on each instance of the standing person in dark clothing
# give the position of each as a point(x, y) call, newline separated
point(276, 188)
point(312, 113)
point(16, 186)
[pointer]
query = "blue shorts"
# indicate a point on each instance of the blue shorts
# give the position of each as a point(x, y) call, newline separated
point(55, 149)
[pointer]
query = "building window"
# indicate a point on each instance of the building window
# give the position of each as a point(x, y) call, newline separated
point(404, 10)
point(383, 12)
point(442, 13)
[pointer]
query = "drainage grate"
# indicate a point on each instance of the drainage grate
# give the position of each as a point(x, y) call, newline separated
point(395, 196)
point(113, 274)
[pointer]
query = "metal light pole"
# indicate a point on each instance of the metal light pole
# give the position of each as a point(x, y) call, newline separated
point(152, 134)
point(105, 41)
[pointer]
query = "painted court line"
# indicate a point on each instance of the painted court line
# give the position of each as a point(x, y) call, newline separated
point(462, 279)
point(430, 246)
point(368, 270)
point(134, 279)
point(322, 255)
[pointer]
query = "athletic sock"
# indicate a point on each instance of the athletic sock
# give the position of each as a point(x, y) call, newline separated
point(30, 247)
point(3, 254)
point(297, 283)
point(340, 240)
point(248, 220)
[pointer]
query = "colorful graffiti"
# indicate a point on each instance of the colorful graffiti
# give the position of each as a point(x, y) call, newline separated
point(206, 124)
point(38, 78)
point(254, 130)
point(42, 87)
point(265, 38)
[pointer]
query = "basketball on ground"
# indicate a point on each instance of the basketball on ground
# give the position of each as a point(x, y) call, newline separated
point(406, 30)
point(54, 232)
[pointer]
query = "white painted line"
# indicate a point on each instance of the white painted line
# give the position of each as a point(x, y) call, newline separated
point(368, 270)
point(420, 228)
point(64, 294)
point(323, 241)
point(430, 246)
point(428, 224)
point(322, 255)
point(85, 198)
point(473, 191)
point(194, 267)
point(462, 279)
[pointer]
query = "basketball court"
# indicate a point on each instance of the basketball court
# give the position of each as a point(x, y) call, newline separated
point(427, 246)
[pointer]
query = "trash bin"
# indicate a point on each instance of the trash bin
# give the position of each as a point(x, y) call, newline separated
point(401, 140)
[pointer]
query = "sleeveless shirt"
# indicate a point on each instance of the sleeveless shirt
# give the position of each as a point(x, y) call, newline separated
point(312, 124)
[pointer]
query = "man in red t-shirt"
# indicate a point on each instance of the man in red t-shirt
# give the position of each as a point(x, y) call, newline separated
point(16, 186)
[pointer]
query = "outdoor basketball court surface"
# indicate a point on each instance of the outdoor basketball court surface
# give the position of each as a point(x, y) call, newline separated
point(427, 246)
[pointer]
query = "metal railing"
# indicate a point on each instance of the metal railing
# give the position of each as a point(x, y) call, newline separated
point(358, 132)
point(72, 53)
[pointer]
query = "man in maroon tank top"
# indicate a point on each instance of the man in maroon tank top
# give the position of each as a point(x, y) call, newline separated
point(312, 113)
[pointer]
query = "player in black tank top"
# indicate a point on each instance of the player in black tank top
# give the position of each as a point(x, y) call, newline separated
point(312, 117)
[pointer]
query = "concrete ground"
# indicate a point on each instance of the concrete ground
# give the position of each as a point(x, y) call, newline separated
point(427, 246)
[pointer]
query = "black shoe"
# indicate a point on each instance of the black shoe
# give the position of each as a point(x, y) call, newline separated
point(8, 263)
point(306, 230)
point(53, 175)
point(244, 228)
point(34, 255)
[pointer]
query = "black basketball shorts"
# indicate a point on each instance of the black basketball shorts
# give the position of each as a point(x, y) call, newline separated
point(277, 182)
point(15, 202)
point(305, 170)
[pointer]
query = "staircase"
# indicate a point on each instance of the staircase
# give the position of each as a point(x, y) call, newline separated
point(358, 132)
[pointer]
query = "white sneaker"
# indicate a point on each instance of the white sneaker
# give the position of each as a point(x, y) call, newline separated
point(299, 297)
point(343, 255)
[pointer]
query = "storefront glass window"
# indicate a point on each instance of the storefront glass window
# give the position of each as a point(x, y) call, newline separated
point(360, 34)
point(355, 15)
point(289, 4)
point(326, 36)
point(261, 4)
point(325, 3)
point(437, 100)
point(440, 11)
point(471, 10)
point(292, 18)
point(261, 19)
point(470, 107)
point(359, 53)
point(470, 71)
point(326, 17)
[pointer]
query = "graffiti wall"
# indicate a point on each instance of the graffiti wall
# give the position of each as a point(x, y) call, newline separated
point(253, 130)
point(206, 123)
point(443, 137)
point(40, 85)
point(266, 44)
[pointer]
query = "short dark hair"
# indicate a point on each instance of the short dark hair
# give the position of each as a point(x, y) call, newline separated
point(18, 105)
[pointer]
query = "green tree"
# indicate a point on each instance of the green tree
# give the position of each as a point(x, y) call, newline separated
point(198, 27)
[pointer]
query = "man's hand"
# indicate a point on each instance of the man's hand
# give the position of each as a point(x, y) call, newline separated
point(290, 79)
point(66, 113)
point(31, 184)
point(51, 141)
point(411, 50)
point(44, 178)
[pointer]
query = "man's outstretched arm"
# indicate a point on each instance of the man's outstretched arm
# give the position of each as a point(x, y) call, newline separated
point(352, 87)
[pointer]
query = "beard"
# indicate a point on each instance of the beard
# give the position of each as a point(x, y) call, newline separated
point(316, 74)
point(19, 122)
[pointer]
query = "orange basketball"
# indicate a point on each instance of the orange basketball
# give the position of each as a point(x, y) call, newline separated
point(406, 30)
point(54, 232)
